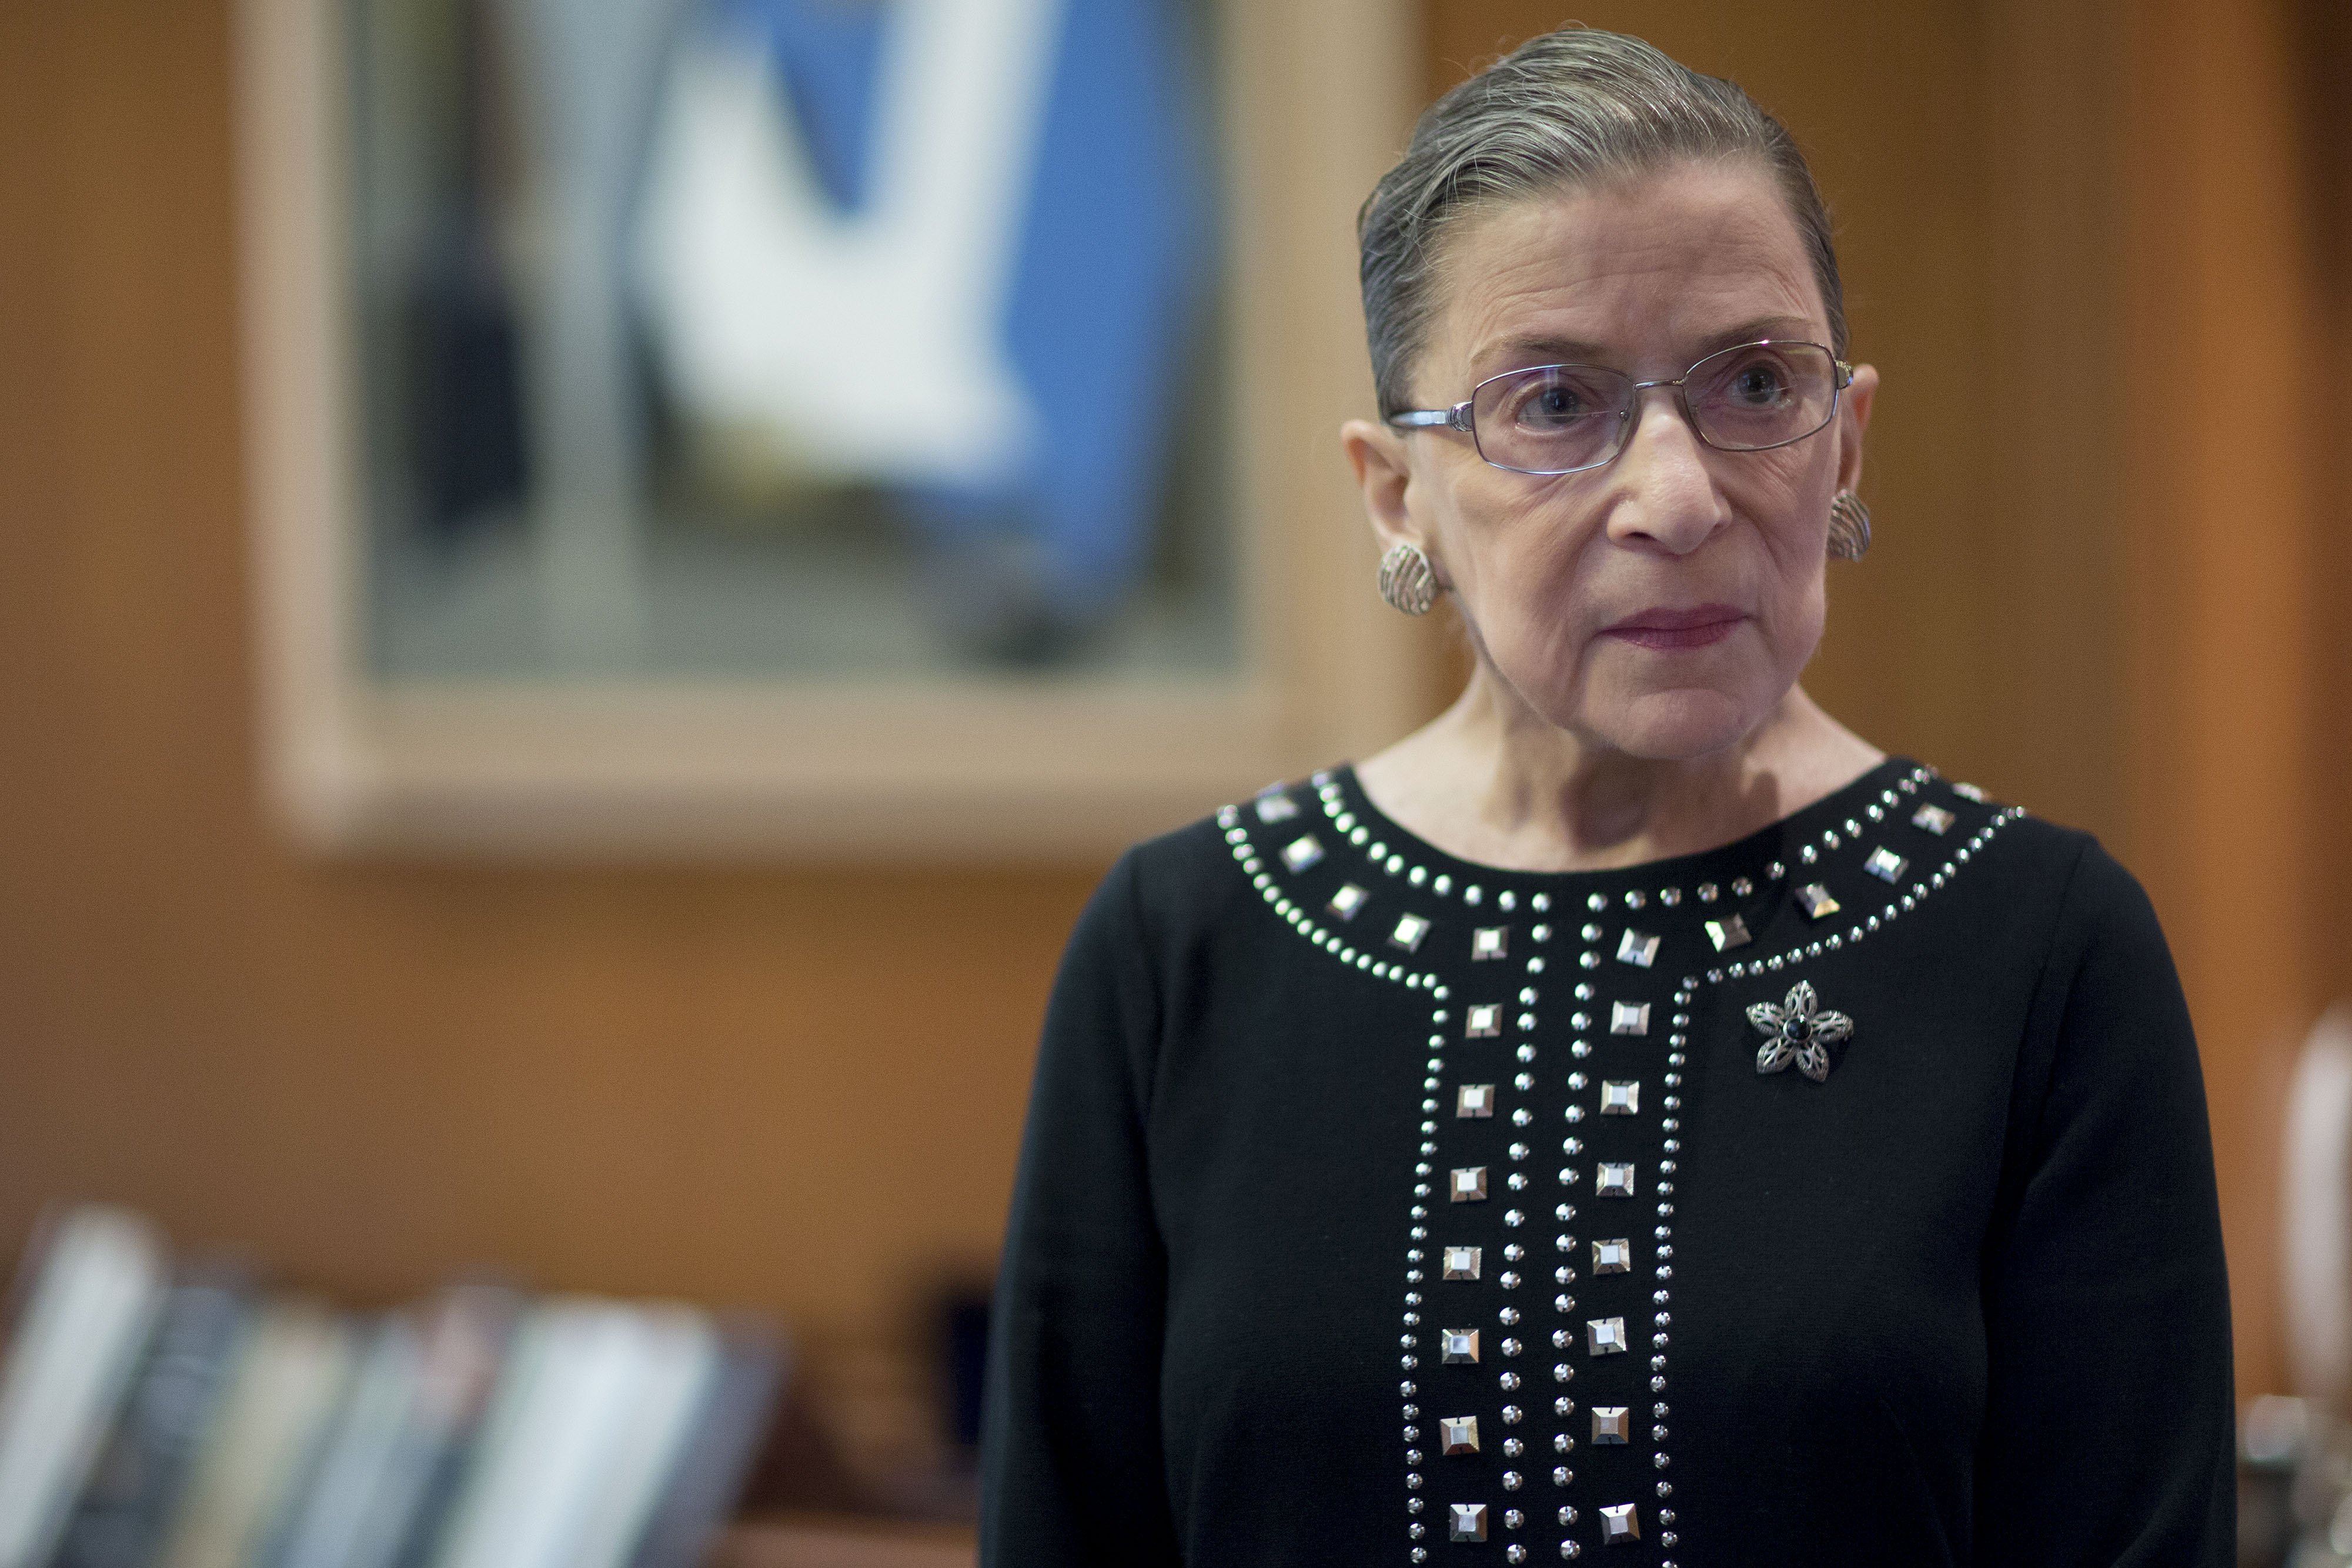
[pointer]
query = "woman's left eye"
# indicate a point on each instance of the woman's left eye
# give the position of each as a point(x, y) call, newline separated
point(1758, 382)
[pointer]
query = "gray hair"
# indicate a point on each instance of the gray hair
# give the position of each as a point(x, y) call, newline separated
point(1569, 108)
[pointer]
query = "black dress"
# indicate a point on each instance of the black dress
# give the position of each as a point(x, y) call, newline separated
point(1842, 1196)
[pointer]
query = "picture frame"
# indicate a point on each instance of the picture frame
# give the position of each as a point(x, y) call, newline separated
point(1320, 94)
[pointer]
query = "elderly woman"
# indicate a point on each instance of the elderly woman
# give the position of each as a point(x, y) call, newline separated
point(1631, 1115)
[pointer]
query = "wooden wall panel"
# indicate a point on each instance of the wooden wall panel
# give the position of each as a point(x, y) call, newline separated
point(2225, 314)
point(2323, 41)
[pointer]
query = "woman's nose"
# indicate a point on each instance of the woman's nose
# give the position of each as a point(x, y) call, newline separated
point(1666, 494)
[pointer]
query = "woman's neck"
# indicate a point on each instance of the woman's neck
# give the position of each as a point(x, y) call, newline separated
point(1491, 781)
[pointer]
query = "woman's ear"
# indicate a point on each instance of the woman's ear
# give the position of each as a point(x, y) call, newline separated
point(1853, 418)
point(1377, 454)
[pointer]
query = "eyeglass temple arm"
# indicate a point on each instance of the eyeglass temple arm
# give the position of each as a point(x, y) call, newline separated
point(1454, 418)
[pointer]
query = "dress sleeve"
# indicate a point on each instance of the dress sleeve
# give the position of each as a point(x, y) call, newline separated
point(1072, 1469)
point(2108, 1425)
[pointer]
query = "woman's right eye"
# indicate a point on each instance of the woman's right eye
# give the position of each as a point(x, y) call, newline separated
point(1550, 403)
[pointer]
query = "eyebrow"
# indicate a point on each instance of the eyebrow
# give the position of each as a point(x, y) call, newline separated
point(1544, 349)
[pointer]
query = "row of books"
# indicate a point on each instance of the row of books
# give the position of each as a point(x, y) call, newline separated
point(163, 1414)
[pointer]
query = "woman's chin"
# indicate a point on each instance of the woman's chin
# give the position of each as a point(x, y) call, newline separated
point(1675, 726)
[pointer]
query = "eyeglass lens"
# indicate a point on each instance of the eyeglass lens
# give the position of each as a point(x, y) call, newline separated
point(1558, 419)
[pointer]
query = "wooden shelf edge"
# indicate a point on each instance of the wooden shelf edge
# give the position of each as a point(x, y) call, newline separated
point(831, 1540)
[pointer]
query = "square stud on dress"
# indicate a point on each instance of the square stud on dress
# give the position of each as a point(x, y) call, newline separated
point(1349, 902)
point(1815, 900)
point(1462, 1262)
point(1475, 1099)
point(1629, 1018)
point(1613, 1180)
point(1619, 1525)
point(1409, 930)
point(1466, 1521)
point(1605, 1336)
point(1277, 806)
point(1458, 1434)
point(1621, 1097)
point(1302, 852)
point(1612, 1256)
point(1490, 942)
point(1886, 864)
point(1469, 1184)
point(1612, 1424)
point(1486, 1020)
point(1458, 1346)
point(1727, 933)
point(1637, 948)
point(1934, 819)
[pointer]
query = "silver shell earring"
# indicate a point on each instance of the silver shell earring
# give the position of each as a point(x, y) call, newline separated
point(1407, 580)
point(1849, 527)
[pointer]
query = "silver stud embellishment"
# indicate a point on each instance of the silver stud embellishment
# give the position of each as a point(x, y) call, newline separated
point(1490, 942)
point(1458, 1347)
point(1637, 948)
point(1934, 819)
point(1462, 1262)
point(1621, 1097)
point(1469, 1184)
point(1798, 1032)
point(1612, 1424)
point(1612, 1256)
point(1302, 852)
point(1815, 900)
point(1349, 902)
point(1457, 1434)
point(1620, 1525)
point(1486, 1020)
point(1410, 931)
point(1611, 1180)
point(1466, 1521)
point(1629, 1018)
point(1605, 1336)
point(1729, 932)
point(1886, 864)
point(1475, 1099)
point(1277, 806)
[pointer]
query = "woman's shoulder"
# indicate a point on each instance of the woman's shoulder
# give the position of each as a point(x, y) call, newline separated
point(2064, 869)
point(1198, 875)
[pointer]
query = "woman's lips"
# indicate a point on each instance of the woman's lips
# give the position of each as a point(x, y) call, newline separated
point(1673, 631)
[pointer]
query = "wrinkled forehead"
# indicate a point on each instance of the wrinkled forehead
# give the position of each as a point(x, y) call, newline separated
point(1644, 274)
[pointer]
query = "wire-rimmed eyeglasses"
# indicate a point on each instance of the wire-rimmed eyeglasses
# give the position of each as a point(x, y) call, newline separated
point(1564, 419)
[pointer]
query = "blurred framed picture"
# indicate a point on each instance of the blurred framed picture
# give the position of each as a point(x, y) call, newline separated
point(809, 426)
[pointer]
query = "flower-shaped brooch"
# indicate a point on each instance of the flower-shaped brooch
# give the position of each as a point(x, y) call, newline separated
point(1799, 1030)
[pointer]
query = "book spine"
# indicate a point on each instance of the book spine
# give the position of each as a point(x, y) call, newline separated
point(709, 1477)
point(119, 1523)
point(99, 1284)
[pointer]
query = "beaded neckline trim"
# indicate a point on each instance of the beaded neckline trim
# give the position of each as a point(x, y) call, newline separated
point(1322, 927)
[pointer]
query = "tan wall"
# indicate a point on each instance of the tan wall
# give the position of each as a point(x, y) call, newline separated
point(794, 1088)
